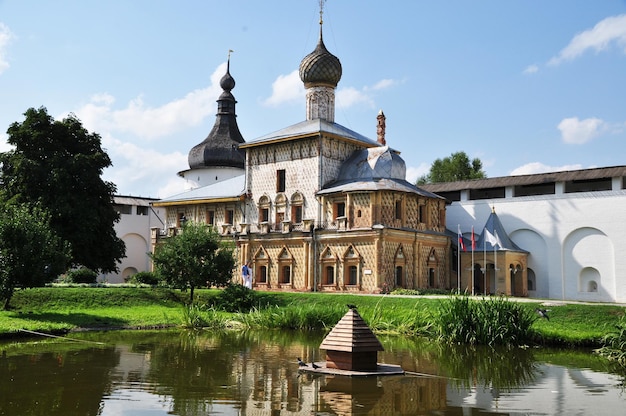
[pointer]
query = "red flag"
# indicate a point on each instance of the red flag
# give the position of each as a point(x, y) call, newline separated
point(461, 242)
point(473, 240)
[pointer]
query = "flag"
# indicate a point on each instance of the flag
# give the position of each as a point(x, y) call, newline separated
point(461, 242)
point(492, 239)
point(473, 239)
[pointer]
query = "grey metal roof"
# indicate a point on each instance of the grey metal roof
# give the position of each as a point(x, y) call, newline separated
point(378, 184)
point(229, 188)
point(494, 236)
point(533, 179)
point(133, 200)
point(374, 162)
point(311, 128)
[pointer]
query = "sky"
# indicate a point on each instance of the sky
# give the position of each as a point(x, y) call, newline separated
point(526, 86)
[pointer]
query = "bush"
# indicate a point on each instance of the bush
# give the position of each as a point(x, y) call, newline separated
point(82, 275)
point(144, 278)
point(235, 298)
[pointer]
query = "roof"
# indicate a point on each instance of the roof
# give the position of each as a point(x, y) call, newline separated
point(378, 184)
point(533, 179)
point(351, 334)
point(493, 237)
point(232, 189)
point(133, 200)
point(311, 128)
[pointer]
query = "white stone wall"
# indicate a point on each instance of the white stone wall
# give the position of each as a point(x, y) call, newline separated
point(574, 239)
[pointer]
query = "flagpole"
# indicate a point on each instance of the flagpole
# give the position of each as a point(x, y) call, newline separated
point(484, 265)
point(473, 268)
point(458, 258)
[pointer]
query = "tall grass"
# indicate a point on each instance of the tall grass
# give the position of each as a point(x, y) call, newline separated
point(294, 316)
point(614, 344)
point(492, 321)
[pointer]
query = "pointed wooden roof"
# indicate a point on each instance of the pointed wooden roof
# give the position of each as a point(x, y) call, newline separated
point(351, 334)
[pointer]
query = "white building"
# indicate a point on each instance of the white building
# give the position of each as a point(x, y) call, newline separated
point(137, 217)
point(573, 224)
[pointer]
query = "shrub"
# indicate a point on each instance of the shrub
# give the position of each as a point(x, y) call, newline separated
point(235, 298)
point(144, 278)
point(82, 275)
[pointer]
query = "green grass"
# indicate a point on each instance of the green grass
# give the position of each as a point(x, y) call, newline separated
point(58, 310)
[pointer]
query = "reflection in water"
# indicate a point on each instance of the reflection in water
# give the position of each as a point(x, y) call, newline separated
point(246, 373)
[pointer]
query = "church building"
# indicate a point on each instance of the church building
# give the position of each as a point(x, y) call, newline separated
point(314, 206)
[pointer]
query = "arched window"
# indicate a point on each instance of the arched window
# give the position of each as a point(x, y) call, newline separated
point(329, 267)
point(297, 208)
point(352, 267)
point(260, 267)
point(285, 268)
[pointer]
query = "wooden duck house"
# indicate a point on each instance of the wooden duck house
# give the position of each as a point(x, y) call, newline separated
point(351, 345)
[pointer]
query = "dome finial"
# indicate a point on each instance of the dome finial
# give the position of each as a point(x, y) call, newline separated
point(228, 62)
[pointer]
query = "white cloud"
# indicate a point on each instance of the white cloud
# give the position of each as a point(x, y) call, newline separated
point(601, 37)
point(4, 146)
point(5, 38)
point(348, 97)
point(538, 167)
point(140, 168)
point(381, 85)
point(531, 69)
point(287, 88)
point(413, 173)
point(575, 131)
point(152, 122)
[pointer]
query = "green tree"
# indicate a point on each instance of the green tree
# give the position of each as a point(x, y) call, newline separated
point(58, 165)
point(31, 253)
point(456, 167)
point(196, 257)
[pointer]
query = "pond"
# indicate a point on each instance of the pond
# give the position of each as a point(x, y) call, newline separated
point(149, 373)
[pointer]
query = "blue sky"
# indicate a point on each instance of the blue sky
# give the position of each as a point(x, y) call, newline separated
point(527, 86)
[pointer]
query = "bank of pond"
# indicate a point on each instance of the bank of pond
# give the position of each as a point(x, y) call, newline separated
point(454, 319)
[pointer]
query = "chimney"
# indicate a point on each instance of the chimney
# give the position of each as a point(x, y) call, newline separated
point(380, 128)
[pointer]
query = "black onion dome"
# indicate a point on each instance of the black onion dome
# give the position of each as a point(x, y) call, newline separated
point(227, 82)
point(221, 146)
point(320, 67)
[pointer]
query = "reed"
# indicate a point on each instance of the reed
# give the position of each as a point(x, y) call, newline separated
point(492, 321)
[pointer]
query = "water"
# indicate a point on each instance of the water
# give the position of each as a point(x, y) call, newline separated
point(250, 373)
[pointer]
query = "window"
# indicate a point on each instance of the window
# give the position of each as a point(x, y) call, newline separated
point(285, 274)
point(181, 219)
point(230, 216)
point(431, 277)
point(124, 209)
point(210, 217)
point(352, 275)
point(264, 214)
point(141, 210)
point(296, 214)
point(280, 180)
point(421, 213)
point(339, 210)
point(261, 275)
point(329, 275)
point(398, 209)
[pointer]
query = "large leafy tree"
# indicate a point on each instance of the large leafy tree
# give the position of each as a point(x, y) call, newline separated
point(456, 167)
point(58, 165)
point(193, 258)
point(31, 253)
